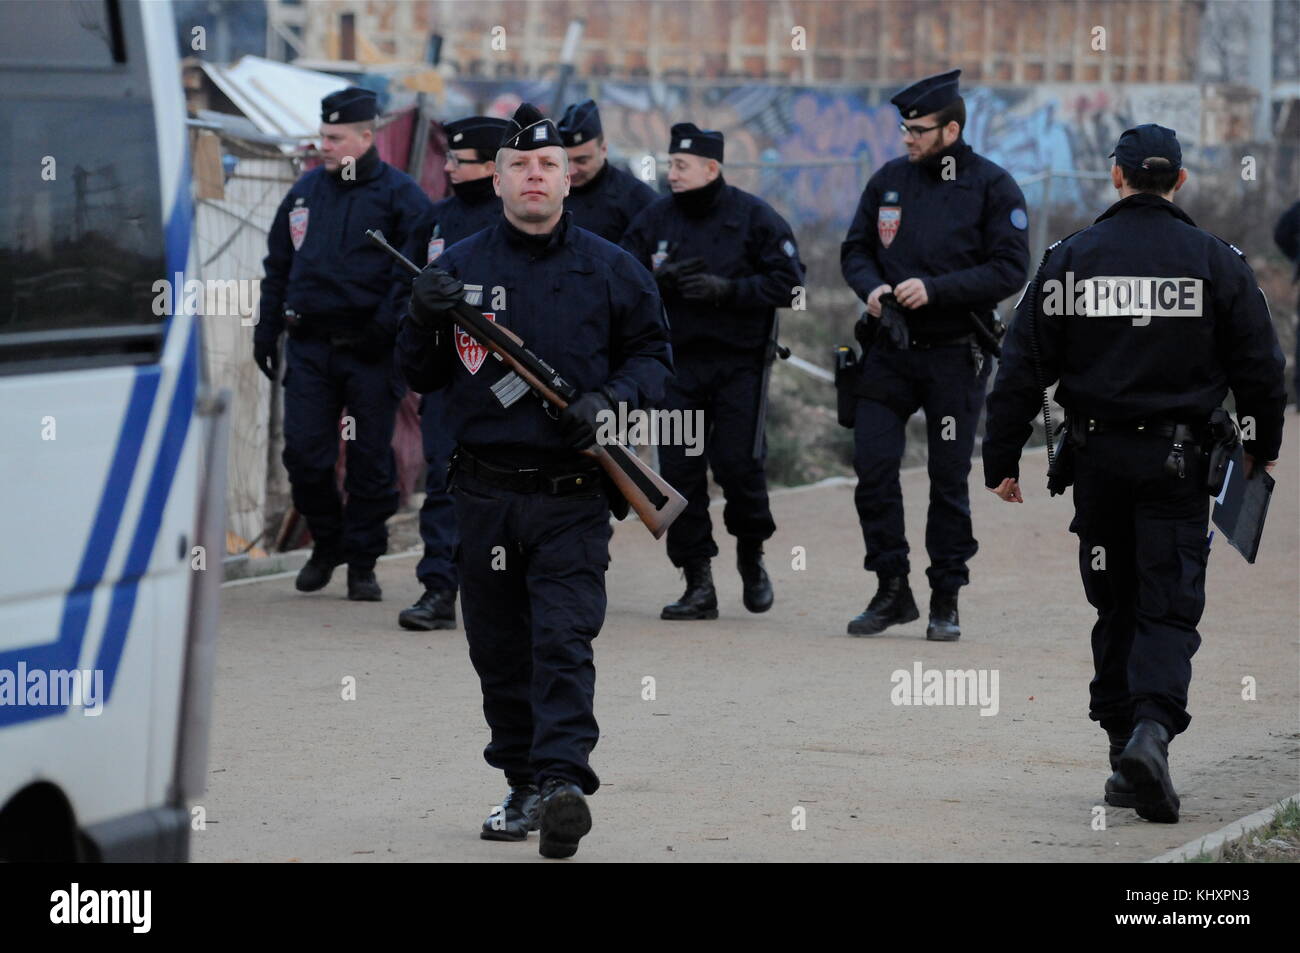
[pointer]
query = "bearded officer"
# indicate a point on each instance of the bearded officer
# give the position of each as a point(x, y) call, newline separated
point(473, 205)
point(943, 231)
point(340, 298)
point(602, 197)
point(1146, 321)
point(724, 261)
point(534, 523)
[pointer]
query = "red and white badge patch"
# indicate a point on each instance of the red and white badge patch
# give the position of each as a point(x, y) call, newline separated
point(887, 221)
point(297, 226)
point(472, 353)
point(435, 249)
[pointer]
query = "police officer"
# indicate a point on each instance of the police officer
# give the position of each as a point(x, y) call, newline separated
point(724, 261)
point(603, 198)
point(472, 206)
point(534, 523)
point(1146, 321)
point(942, 231)
point(340, 298)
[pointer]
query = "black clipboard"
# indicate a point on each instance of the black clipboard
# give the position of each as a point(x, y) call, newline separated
point(1242, 505)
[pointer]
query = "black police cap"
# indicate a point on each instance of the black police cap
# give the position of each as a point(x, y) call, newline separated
point(475, 132)
point(1140, 144)
point(528, 129)
point(353, 104)
point(580, 123)
point(928, 95)
point(688, 137)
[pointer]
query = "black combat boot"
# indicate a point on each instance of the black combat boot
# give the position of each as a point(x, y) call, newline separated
point(363, 586)
point(317, 571)
point(699, 601)
point(563, 818)
point(892, 605)
point(436, 609)
point(1145, 762)
point(516, 816)
point(1119, 792)
point(943, 625)
point(757, 585)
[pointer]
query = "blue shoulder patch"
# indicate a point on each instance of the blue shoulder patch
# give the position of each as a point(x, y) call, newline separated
point(1019, 219)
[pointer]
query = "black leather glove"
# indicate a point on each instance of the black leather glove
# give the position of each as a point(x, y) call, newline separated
point(864, 331)
point(703, 287)
point(434, 294)
point(669, 275)
point(266, 355)
point(578, 422)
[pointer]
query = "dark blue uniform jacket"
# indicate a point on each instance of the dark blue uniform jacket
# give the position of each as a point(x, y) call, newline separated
point(1188, 324)
point(739, 236)
point(320, 263)
point(964, 236)
point(457, 217)
point(579, 303)
point(608, 203)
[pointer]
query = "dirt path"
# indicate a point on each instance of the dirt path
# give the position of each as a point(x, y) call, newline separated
point(757, 716)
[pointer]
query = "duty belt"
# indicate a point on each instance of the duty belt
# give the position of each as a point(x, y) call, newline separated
point(925, 345)
point(551, 480)
point(322, 325)
point(1158, 427)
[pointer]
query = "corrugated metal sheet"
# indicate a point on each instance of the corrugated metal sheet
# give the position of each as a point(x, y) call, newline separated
point(280, 99)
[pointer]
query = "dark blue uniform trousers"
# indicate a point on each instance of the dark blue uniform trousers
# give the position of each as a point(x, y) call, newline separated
point(532, 575)
point(1142, 556)
point(437, 568)
point(319, 382)
point(727, 393)
point(942, 380)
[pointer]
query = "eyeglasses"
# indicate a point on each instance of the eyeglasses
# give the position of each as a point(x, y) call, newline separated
point(916, 131)
point(456, 162)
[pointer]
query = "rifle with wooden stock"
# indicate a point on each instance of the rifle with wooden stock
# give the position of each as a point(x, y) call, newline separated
point(649, 495)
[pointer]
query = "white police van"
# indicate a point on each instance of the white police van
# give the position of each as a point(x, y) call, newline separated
point(112, 447)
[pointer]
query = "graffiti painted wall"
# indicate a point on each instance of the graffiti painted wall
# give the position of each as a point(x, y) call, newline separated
point(1027, 130)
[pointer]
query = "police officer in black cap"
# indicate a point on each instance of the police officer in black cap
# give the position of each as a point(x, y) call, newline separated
point(724, 261)
point(940, 233)
point(340, 298)
point(473, 205)
point(1146, 321)
point(603, 198)
point(534, 522)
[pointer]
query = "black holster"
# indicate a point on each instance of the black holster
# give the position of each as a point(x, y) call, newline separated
point(846, 380)
point(1222, 439)
point(618, 504)
point(1060, 474)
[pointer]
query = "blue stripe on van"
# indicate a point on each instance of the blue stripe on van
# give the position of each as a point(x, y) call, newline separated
point(66, 650)
point(125, 591)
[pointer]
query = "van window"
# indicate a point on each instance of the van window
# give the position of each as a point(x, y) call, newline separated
point(81, 235)
point(61, 33)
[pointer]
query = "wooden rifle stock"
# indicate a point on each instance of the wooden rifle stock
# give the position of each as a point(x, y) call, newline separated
point(649, 495)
